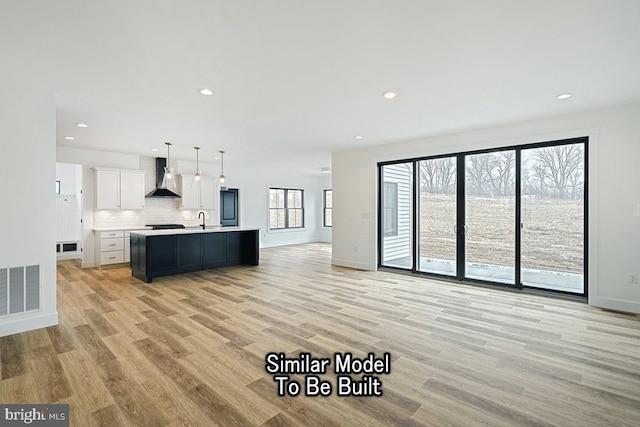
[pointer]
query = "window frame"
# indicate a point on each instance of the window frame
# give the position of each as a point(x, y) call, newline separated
point(287, 209)
point(325, 208)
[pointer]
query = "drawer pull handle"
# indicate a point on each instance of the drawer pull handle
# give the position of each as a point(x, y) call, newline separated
point(112, 244)
point(112, 257)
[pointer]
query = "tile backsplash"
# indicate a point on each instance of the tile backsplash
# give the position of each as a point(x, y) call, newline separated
point(156, 211)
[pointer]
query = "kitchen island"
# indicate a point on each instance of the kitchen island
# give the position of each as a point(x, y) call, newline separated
point(156, 253)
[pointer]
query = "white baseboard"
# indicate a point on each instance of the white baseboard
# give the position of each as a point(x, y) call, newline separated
point(68, 255)
point(87, 264)
point(285, 243)
point(351, 264)
point(27, 322)
point(615, 304)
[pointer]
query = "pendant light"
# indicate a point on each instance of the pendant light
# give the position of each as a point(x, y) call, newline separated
point(197, 175)
point(169, 179)
point(222, 177)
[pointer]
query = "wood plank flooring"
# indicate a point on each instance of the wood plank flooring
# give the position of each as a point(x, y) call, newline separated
point(190, 349)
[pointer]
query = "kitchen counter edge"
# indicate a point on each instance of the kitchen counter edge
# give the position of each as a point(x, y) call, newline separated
point(192, 231)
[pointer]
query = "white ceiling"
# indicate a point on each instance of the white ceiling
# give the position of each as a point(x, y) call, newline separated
point(295, 80)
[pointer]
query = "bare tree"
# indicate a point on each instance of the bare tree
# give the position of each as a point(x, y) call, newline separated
point(438, 176)
point(502, 172)
point(559, 168)
point(477, 171)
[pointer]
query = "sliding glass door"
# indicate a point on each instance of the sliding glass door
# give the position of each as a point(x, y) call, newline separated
point(514, 216)
point(490, 209)
point(553, 217)
point(437, 213)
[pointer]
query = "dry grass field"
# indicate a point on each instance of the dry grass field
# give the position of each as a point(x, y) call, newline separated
point(552, 233)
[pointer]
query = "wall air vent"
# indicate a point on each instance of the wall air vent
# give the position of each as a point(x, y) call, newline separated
point(19, 289)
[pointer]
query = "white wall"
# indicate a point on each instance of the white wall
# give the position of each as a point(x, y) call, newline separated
point(614, 192)
point(70, 177)
point(27, 120)
point(324, 233)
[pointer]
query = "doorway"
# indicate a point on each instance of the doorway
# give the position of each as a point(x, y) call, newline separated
point(68, 188)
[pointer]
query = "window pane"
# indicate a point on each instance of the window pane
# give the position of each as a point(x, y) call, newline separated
point(397, 215)
point(272, 198)
point(273, 218)
point(552, 223)
point(328, 198)
point(281, 217)
point(437, 215)
point(293, 218)
point(328, 221)
point(297, 198)
point(490, 210)
point(280, 196)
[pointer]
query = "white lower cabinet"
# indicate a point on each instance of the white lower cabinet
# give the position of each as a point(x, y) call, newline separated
point(112, 247)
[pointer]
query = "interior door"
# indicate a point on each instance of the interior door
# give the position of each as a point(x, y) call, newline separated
point(229, 207)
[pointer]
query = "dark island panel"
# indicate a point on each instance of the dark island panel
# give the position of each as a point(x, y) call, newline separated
point(164, 255)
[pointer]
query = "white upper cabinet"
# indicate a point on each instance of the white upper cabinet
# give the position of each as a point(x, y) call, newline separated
point(119, 189)
point(198, 196)
point(107, 189)
point(131, 190)
point(207, 193)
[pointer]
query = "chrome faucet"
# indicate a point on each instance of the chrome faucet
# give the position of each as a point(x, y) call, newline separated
point(203, 219)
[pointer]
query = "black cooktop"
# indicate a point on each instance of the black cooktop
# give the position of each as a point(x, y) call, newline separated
point(164, 226)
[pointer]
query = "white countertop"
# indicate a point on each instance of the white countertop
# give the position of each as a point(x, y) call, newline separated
point(209, 229)
point(144, 227)
point(121, 228)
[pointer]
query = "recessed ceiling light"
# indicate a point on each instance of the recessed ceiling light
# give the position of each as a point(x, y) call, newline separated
point(82, 125)
point(154, 149)
point(389, 94)
point(70, 138)
point(358, 137)
point(564, 96)
point(206, 91)
point(216, 158)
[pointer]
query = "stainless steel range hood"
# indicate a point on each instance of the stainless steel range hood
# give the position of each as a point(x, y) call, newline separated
point(160, 191)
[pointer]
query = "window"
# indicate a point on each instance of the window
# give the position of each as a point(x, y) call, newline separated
point(57, 187)
point(390, 209)
point(328, 208)
point(286, 208)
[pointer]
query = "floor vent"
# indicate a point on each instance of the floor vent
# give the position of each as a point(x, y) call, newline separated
point(19, 289)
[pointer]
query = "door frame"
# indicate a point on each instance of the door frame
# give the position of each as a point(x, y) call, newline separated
point(460, 207)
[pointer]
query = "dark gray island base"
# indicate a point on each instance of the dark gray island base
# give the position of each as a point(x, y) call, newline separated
point(165, 252)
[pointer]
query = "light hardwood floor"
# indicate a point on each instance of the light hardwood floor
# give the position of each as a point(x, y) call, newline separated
point(190, 349)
